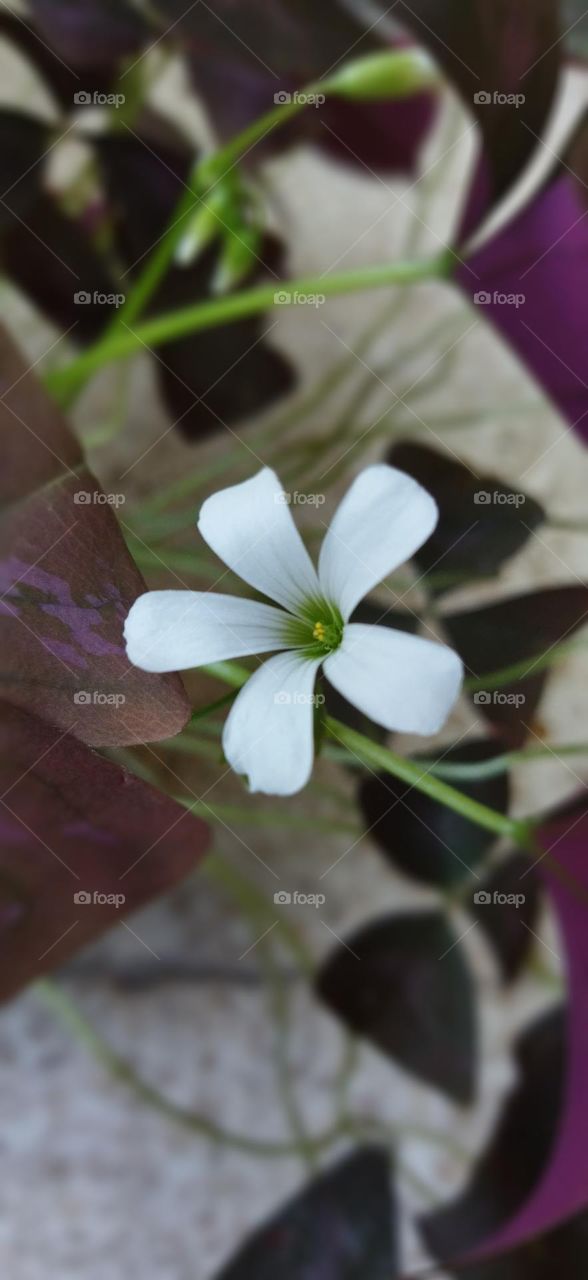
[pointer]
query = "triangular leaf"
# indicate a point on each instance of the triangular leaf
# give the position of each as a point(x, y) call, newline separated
point(403, 984)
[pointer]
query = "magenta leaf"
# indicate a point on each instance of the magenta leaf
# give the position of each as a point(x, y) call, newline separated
point(82, 844)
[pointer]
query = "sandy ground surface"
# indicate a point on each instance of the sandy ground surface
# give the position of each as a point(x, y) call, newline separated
point(96, 1184)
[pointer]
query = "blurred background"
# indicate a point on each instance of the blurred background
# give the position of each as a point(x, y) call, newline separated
point(220, 1021)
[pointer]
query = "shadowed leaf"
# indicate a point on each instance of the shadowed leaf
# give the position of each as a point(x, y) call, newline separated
point(510, 1168)
point(515, 630)
point(423, 838)
point(339, 1228)
point(482, 522)
point(510, 926)
point(403, 984)
point(72, 823)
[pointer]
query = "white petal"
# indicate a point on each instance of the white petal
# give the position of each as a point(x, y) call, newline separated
point(400, 681)
point(251, 528)
point(172, 630)
point(269, 733)
point(383, 519)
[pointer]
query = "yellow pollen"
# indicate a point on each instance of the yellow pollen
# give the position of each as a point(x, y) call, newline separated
point(318, 631)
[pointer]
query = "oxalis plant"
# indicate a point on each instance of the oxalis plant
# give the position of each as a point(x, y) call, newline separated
point(316, 660)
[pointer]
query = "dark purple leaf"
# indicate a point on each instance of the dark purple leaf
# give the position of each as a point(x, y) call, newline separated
point(488, 48)
point(340, 1227)
point(67, 582)
point(534, 1176)
point(403, 984)
point(524, 1141)
point(423, 838)
point(49, 256)
point(63, 81)
point(23, 143)
point(91, 33)
point(482, 522)
point(516, 629)
point(541, 259)
point(218, 376)
point(73, 823)
point(510, 926)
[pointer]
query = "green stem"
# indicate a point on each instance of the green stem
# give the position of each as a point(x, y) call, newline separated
point(55, 998)
point(416, 774)
point(470, 771)
point(410, 771)
point(122, 341)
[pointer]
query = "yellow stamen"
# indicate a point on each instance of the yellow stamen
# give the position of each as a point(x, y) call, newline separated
point(318, 631)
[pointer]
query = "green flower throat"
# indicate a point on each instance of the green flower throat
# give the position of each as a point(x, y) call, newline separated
point(318, 630)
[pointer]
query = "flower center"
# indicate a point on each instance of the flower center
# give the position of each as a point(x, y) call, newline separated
point(318, 629)
point(327, 634)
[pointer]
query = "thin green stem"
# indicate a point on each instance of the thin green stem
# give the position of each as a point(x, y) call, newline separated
point(125, 341)
point(56, 999)
point(418, 776)
point(473, 771)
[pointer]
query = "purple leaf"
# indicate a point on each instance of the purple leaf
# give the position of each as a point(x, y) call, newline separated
point(534, 1176)
point(423, 838)
point(340, 1227)
point(541, 259)
point(516, 629)
point(73, 823)
point(67, 582)
point(474, 535)
point(402, 983)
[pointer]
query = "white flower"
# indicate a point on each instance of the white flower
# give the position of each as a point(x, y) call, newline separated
point(401, 681)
